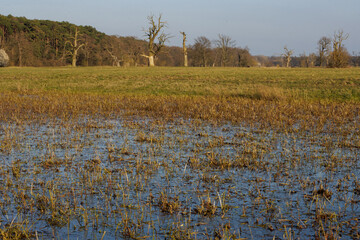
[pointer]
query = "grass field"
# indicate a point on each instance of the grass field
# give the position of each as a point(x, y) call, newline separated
point(179, 153)
point(313, 84)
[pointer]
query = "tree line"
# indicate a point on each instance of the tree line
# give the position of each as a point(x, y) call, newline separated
point(49, 43)
point(331, 52)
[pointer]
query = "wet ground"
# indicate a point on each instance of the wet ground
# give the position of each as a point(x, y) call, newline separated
point(122, 178)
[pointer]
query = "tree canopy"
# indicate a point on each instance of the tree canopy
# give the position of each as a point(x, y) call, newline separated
point(50, 43)
point(46, 43)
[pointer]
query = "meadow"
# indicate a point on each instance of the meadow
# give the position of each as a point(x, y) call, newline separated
point(307, 84)
point(179, 153)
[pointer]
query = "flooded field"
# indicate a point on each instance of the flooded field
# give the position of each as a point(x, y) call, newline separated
point(136, 177)
point(175, 153)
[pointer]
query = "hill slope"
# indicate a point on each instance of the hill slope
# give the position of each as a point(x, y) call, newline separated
point(49, 43)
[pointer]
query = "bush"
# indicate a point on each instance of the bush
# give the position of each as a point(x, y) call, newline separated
point(4, 58)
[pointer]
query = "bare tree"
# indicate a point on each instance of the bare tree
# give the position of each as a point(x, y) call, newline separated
point(153, 33)
point(116, 60)
point(339, 57)
point(113, 47)
point(74, 46)
point(201, 51)
point(307, 61)
point(224, 43)
point(185, 50)
point(311, 59)
point(324, 48)
point(129, 50)
point(287, 56)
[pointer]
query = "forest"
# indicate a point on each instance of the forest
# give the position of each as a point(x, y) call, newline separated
point(50, 43)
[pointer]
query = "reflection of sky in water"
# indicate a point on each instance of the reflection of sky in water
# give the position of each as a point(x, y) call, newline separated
point(272, 192)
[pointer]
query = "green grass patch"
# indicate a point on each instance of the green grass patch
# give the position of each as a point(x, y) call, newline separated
point(267, 83)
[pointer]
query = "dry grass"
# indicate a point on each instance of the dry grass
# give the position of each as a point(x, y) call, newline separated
point(282, 113)
point(186, 153)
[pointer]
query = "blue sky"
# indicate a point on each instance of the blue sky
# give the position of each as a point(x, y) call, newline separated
point(265, 26)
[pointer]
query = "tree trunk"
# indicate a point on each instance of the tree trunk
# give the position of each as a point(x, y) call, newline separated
point(151, 61)
point(204, 60)
point(20, 54)
point(288, 62)
point(75, 47)
point(74, 58)
point(185, 50)
point(56, 48)
point(20, 41)
point(185, 60)
point(116, 61)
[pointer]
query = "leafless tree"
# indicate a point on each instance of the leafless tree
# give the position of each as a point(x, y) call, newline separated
point(75, 46)
point(287, 56)
point(153, 33)
point(113, 47)
point(130, 50)
point(311, 59)
point(201, 51)
point(307, 61)
point(339, 57)
point(116, 60)
point(324, 47)
point(185, 50)
point(224, 43)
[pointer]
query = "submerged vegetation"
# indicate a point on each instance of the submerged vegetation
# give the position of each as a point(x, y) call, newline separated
point(178, 153)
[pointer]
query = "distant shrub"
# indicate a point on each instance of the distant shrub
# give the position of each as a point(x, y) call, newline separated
point(4, 58)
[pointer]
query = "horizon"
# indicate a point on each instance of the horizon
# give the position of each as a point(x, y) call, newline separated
point(258, 25)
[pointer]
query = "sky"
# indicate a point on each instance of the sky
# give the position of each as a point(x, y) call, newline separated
point(264, 26)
